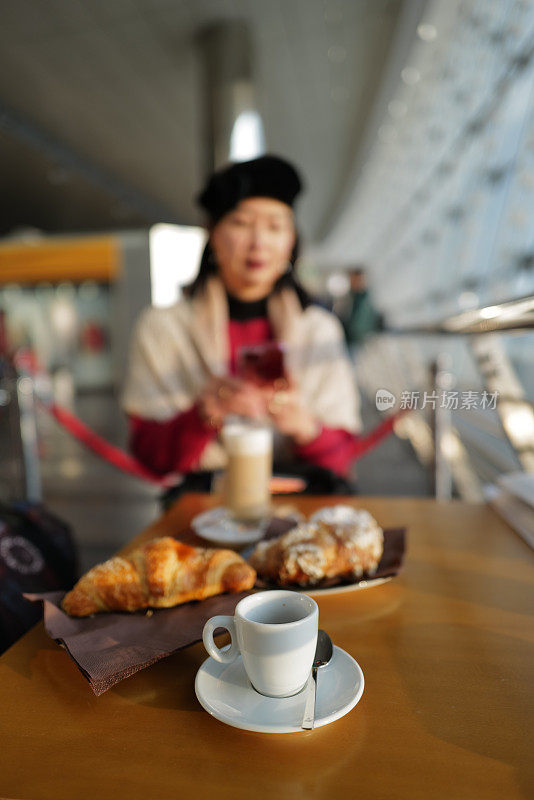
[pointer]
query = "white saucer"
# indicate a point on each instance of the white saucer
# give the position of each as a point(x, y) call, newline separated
point(218, 526)
point(226, 693)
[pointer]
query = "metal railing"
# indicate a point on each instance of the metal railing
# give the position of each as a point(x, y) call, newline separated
point(448, 457)
point(20, 476)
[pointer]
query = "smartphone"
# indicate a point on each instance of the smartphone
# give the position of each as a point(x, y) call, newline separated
point(262, 364)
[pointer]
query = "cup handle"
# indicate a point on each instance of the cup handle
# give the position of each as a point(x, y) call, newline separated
point(224, 656)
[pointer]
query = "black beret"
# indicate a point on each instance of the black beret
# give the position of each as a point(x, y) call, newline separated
point(267, 176)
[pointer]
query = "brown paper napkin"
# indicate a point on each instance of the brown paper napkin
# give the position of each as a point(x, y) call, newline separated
point(110, 647)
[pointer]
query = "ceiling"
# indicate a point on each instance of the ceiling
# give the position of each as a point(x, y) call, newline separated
point(101, 106)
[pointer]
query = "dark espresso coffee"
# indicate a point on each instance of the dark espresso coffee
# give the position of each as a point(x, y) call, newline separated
point(277, 613)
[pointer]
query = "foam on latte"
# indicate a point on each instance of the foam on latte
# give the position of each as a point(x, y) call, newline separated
point(245, 440)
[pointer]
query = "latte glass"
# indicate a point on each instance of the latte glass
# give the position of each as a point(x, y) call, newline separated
point(249, 449)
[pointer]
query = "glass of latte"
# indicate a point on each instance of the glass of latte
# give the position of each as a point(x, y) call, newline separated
point(249, 450)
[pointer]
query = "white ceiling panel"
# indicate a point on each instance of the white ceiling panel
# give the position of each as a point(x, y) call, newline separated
point(118, 84)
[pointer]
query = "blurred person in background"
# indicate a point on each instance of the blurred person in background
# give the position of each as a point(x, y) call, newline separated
point(184, 375)
point(360, 318)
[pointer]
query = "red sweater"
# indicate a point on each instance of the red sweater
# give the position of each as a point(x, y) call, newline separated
point(176, 445)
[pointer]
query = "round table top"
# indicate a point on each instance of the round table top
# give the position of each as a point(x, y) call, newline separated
point(445, 647)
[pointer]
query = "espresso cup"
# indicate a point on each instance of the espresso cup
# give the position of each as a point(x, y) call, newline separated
point(276, 634)
point(249, 450)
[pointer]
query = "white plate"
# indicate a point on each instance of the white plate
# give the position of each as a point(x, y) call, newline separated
point(226, 693)
point(343, 588)
point(347, 587)
point(218, 526)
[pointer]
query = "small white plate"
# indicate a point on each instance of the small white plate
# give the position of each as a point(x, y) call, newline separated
point(226, 693)
point(218, 526)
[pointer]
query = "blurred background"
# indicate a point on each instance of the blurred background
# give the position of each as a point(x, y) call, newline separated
point(413, 125)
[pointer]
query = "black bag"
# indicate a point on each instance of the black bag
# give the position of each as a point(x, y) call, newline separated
point(37, 554)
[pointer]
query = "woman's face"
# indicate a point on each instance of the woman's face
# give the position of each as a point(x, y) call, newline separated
point(252, 246)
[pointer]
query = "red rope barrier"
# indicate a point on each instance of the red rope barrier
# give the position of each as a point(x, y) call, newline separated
point(370, 440)
point(109, 452)
point(127, 463)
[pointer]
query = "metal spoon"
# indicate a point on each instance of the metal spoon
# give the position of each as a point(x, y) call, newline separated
point(323, 654)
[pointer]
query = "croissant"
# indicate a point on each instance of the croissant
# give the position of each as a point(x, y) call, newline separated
point(338, 542)
point(162, 573)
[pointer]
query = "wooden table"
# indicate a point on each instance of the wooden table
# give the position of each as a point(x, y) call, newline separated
point(447, 657)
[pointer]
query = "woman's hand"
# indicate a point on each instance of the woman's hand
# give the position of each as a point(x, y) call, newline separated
point(223, 396)
point(290, 417)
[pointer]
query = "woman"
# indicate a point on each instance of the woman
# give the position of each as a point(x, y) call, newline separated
point(183, 374)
